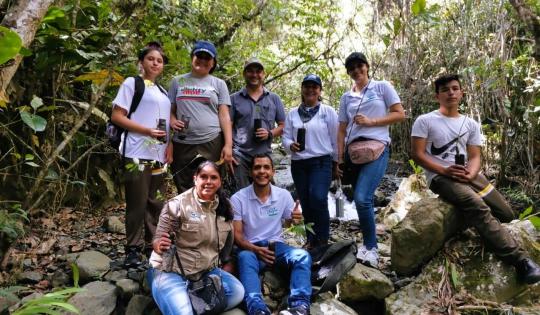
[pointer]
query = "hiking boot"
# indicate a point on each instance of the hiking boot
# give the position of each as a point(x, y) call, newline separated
point(133, 257)
point(369, 257)
point(301, 309)
point(528, 271)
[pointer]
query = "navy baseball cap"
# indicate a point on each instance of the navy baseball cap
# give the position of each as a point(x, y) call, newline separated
point(312, 78)
point(204, 46)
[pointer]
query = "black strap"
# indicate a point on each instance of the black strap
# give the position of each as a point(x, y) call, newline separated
point(178, 256)
point(347, 134)
point(135, 101)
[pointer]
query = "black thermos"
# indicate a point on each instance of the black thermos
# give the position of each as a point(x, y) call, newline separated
point(257, 123)
point(301, 138)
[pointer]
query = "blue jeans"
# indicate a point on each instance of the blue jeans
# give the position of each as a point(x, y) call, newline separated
point(295, 260)
point(312, 178)
point(369, 177)
point(169, 290)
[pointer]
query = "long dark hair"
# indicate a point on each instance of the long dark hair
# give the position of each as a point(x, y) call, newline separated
point(150, 47)
point(224, 207)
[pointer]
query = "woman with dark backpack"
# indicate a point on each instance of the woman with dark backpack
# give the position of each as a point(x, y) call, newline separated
point(365, 113)
point(144, 150)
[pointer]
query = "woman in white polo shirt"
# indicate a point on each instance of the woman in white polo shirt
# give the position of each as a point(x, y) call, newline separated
point(365, 113)
point(145, 145)
point(313, 159)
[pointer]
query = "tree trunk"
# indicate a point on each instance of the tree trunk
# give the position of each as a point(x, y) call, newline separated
point(531, 20)
point(24, 18)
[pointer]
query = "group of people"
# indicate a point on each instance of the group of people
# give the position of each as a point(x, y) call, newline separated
point(234, 133)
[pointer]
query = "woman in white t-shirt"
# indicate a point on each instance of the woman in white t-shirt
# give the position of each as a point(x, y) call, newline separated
point(365, 113)
point(145, 151)
point(314, 157)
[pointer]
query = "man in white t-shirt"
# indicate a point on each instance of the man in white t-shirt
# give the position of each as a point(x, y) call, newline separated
point(447, 145)
point(260, 210)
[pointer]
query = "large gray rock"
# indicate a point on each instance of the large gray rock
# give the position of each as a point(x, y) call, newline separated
point(326, 304)
point(416, 239)
point(99, 298)
point(92, 264)
point(29, 277)
point(476, 273)
point(137, 304)
point(411, 190)
point(113, 224)
point(364, 283)
point(127, 288)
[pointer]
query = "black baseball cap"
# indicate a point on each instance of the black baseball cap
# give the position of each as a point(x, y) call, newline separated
point(355, 57)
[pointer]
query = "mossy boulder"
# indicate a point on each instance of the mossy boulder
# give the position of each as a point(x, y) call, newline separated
point(364, 283)
point(470, 273)
point(423, 231)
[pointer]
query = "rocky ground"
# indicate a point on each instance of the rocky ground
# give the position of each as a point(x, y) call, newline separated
point(460, 278)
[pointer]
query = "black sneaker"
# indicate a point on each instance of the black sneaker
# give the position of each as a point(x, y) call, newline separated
point(297, 310)
point(133, 257)
point(528, 271)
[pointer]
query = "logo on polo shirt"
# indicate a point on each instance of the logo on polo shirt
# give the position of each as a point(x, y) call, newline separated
point(271, 211)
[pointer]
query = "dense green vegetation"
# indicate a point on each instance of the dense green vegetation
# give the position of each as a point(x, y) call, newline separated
point(53, 112)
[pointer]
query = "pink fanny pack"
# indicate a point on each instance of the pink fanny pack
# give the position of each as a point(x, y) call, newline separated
point(364, 151)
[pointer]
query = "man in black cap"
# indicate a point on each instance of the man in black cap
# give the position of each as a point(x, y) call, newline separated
point(257, 116)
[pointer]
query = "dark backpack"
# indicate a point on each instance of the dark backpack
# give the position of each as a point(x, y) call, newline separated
point(330, 263)
point(113, 131)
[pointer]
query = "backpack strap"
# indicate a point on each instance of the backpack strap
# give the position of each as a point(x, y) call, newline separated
point(137, 96)
point(162, 89)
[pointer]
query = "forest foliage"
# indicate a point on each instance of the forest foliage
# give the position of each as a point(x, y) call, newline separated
point(53, 113)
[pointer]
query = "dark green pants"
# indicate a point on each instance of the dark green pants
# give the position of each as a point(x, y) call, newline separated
point(143, 205)
point(482, 206)
point(183, 154)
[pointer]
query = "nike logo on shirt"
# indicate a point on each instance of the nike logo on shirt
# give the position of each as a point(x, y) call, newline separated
point(438, 151)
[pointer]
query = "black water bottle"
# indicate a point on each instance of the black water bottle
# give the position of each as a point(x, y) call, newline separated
point(301, 139)
point(162, 125)
point(257, 123)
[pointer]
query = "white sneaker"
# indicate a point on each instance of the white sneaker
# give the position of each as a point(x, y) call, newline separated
point(369, 257)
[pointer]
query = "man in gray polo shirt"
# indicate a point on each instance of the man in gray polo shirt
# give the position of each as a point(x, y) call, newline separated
point(252, 105)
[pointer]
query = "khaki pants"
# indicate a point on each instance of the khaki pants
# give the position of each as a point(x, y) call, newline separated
point(143, 205)
point(482, 206)
point(183, 155)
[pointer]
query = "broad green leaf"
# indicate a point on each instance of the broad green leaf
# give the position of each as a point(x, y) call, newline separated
point(28, 157)
point(535, 221)
point(397, 26)
point(36, 122)
point(52, 14)
point(526, 212)
point(455, 275)
point(418, 7)
point(100, 76)
point(75, 270)
point(25, 52)
point(10, 44)
point(36, 102)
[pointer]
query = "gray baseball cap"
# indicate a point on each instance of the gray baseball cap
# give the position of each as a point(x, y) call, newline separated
point(253, 61)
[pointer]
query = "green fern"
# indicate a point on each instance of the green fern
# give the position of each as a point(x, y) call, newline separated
point(53, 303)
